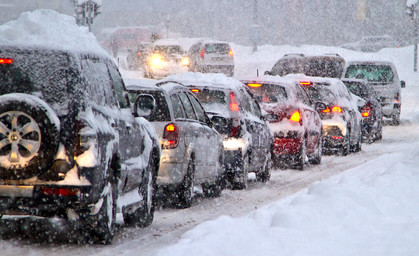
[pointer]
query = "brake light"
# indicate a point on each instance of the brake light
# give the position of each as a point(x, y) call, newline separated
point(6, 61)
point(139, 53)
point(230, 53)
point(326, 110)
point(336, 109)
point(60, 191)
point(194, 90)
point(234, 106)
point(296, 116)
point(366, 110)
point(202, 53)
point(255, 85)
point(171, 136)
point(397, 97)
point(305, 83)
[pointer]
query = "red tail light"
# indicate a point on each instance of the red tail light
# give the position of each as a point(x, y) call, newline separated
point(366, 110)
point(202, 53)
point(60, 191)
point(171, 136)
point(234, 106)
point(397, 97)
point(194, 90)
point(296, 116)
point(139, 53)
point(230, 53)
point(6, 61)
point(326, 110)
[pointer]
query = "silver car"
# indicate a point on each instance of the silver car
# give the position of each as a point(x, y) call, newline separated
point(192, 151)
point(384, 79)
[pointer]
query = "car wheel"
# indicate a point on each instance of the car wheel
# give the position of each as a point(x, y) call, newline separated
point(144, 215)
point(317, 156)
point(102, 224)
point(396, 119)
point(345, 148)
point(301, 157)
point(211, 189)
point(243, 175)
point(184, 192)
point(29, 135)
point(264, 174)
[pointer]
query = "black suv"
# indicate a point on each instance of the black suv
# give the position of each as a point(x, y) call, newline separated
point(69, 144)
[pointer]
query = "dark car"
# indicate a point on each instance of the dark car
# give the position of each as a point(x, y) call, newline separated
point(238, 118)
point(192, 151)
point(371, 112)
point(137, 57)
point(338, 109)
point(296, 128)
point(70, 145)
point(325, 65)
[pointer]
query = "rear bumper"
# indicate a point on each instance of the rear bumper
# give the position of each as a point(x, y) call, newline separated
point(390, 109)
point(43, 199)
point(287, 146)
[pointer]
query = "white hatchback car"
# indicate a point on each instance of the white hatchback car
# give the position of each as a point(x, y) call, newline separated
point(192, 152)
point(211, 57)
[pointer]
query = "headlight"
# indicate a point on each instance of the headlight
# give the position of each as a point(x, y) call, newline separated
point(156, 61)
point(185, 61)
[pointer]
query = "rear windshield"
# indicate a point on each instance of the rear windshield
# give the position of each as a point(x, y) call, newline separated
point(371, 73)
point(161, 112)
point(360, 89)
point(288, 66)
point(212, 100)
point(217, 48)
point(42, 73)
point(268, 93)
point(320, 94)
point(168, 49)
point(324, 67)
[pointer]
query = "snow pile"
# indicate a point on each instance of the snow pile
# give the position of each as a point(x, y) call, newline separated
point(48, 28)
point(361, 212)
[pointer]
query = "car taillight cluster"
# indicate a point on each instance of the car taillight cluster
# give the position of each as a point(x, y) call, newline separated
point(171, 136)
point(234, 107)
point(230, 53)
point(334, 109)
point(6, 61)
point(366, 110)
point(202, 53)
point(397, 97)
point(295, 117)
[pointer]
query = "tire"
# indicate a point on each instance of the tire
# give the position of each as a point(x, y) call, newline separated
point(212, 190)
point(396, 120)
point(264, 175)
point(31, 137)
point(144, 215)
point(317, 158)
point(345, 148)
point(301, 157)
point(184, 192)
point(242, 184)
point(102, 224)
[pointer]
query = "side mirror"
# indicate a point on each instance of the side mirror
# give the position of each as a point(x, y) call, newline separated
point(219, 121)
point(319, 106)
point(403, 84)
point(144, 105)
point(271, 117)
point(267, 73)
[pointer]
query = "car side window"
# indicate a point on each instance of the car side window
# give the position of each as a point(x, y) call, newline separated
point(177, 107)
point(190, 114)
point(118, 85)
point(200, 112)
point(302, 96)
point(99, 83)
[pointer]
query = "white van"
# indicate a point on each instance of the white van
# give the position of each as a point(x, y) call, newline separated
point(383, 77)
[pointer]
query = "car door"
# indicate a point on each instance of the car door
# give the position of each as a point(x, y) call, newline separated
point(208, 138)
point(195, 129)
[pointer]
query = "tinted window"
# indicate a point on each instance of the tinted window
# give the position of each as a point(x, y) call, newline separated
point(177, 107)
point(301, 95)
point(372, 73)
point(320, 94)
point(161, 111)
point(211, 96)
point(324, 67)
point(217, 48)
point(200, 113)
point(288, 66)
point(168, 49)
point(268, 93)
point(190, 114)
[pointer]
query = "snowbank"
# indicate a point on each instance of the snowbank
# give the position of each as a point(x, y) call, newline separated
point(48, 28)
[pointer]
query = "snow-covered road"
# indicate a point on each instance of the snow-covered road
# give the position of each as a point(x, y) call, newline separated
point(170, 225)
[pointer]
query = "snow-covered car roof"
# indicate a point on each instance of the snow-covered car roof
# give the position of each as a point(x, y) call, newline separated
point(211, 79)
point(141, 84)
point(49, 29)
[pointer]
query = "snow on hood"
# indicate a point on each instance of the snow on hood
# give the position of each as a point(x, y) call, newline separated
point(48, 28)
